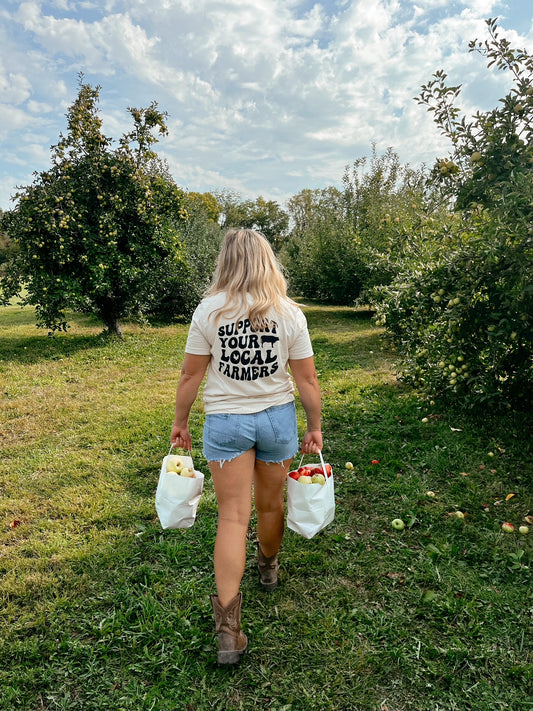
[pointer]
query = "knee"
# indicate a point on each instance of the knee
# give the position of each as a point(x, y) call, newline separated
point(272, 505)
point(234, 517)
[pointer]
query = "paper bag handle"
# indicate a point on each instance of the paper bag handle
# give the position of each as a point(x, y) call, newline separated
point(321, 461)
point(172, 447)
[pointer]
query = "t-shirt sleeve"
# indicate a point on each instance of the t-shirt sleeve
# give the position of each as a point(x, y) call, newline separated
point(197, 343)
point(300, 344)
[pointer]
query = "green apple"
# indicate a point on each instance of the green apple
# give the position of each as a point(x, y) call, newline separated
point(459, 514)
point(524, 530)
point(318, 479)
point(305, 479)
point(187, 471)
point(398, 524)
point(431, 494)
point(174, 463)
point(348, 465)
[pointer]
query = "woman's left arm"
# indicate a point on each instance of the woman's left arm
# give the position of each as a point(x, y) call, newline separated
point(192, 373)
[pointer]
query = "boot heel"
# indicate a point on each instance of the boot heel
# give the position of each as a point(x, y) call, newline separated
point(268, 570)
point(229, 657)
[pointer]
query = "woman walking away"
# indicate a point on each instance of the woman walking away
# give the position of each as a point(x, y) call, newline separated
point(247, 333)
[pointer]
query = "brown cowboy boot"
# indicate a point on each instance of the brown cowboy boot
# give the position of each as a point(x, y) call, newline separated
point(231, 641)
point(268, 569)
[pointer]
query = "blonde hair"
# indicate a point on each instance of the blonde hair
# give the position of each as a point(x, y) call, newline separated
point(247, 268)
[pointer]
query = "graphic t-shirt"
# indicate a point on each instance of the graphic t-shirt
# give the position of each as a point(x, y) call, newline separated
point(248, 369)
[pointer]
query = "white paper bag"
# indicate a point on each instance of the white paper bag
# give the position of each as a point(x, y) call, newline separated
point(177, 497)
point(310, 507)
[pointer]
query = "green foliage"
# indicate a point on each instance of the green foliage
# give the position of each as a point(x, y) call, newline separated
point(266, 216)
point(7, 248)
point(321, 257)
point(463, 323)
point(201, 237)
point(494, 149)
point(345, 242)
point(207, 203)
point(97, 231)
point(462, 320)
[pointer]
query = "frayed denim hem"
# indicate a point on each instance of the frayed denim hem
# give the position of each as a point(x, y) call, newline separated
point(221, 462)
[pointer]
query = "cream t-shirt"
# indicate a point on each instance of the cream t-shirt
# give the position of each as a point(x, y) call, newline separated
point(248, 369)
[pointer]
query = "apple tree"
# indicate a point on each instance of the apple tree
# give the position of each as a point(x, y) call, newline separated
point(463, 320)
point(344, 242)
point(6, 246)
point(266, 216)
point(98, 231)
point(201, 236)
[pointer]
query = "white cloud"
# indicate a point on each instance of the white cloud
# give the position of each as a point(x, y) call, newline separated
point(14, 88)
point(264, 96)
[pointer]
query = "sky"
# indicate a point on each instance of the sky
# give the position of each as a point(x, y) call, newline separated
point(264, 97)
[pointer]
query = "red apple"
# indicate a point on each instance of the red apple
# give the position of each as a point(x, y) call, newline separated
point(295, 475)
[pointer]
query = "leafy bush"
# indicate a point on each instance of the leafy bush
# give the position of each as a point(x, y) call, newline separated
point(462, 320)
point(463, 324)
point(345, 242)
point(182, 287)
point(321, 256)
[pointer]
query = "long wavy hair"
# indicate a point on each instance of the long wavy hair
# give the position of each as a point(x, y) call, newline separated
point(248, 272)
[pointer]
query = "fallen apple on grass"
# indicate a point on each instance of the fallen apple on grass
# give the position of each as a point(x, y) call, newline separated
point(507, 527)
point(398, 524)
point(524, 530)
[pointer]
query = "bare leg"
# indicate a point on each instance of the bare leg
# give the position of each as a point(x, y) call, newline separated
point(233, 488)
point(269, 486)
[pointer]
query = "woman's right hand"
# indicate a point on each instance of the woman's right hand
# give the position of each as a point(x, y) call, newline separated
point(312, 442)
point(181, 437)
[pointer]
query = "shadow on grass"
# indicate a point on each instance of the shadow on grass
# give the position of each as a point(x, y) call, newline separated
point(34, 349)
point(326, 315)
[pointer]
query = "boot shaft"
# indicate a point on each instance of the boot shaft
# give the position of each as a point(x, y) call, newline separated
point(232, 642)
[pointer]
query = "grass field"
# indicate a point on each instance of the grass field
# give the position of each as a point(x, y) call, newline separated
point(102, 610)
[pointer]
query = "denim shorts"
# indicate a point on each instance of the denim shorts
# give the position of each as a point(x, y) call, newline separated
point(273, 433)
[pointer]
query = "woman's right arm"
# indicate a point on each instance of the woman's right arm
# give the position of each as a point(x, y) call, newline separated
point(192, 373)
point(306, 379)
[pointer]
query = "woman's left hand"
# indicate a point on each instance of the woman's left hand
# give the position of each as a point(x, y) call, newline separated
point(312, 442)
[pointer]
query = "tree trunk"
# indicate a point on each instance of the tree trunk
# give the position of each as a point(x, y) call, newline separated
point(113, 327)
point(108, 311)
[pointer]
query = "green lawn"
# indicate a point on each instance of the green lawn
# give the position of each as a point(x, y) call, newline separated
point(102, 610)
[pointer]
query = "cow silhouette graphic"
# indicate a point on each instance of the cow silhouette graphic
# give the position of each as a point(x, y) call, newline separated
point(269, 339)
